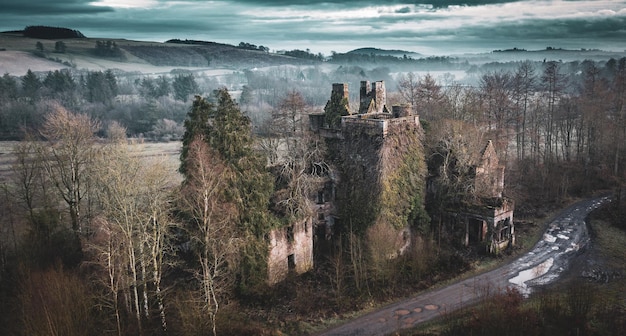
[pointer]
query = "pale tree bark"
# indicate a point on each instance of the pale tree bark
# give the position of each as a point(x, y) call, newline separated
point(215, 235)
point(134, 196)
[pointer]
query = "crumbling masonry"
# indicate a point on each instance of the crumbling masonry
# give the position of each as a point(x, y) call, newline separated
point(364, 143)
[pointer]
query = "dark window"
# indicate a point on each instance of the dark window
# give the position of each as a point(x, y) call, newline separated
point(290, 233)
point(320, 197)
point(291, 262)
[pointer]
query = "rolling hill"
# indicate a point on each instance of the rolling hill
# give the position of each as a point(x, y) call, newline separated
point(384, 52)
point(19, 53)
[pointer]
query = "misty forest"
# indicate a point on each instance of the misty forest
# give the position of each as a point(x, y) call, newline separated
point(101, 237)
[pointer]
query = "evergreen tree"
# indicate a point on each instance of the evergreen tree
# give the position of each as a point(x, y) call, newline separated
point(184, 85)
point(147, 88)
point(8, 88)
point(231, 135)
point(30, 85)
point(196, 124)
point(59, 81)
point(60, 47)
point(246, 95)
point(228, 132)
point(101, 87)
point(162, 88)
point(111, 83)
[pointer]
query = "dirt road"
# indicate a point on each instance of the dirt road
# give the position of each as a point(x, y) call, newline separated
point(565, 236)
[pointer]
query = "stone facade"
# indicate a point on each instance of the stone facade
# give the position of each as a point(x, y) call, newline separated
point(363, 143)
point(491, 221)
point(291, 250)
point(491, 225)
point(489, 180)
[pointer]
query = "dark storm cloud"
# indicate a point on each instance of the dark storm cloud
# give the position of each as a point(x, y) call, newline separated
point(46, 7)
point(559, 29)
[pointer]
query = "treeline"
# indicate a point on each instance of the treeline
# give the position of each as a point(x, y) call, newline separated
point(250, 46)
point(45, 32)
point(108, 49)
point(305, 54)
point(406, 63)
point(557, 126)
point(146, 106)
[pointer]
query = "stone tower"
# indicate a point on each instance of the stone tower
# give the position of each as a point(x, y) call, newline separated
point(373, 98)
point(340, 89)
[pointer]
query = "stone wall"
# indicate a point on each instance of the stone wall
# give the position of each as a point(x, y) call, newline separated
point(291, 250)
point(489, 181)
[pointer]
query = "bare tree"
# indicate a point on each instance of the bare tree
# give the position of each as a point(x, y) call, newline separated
point(301, 152)
point(67, 157)
point(523, 87)
point(423, 93)
point(553, 82)
point(215, 234)
point(496, 92)
point(408, 88)
point(454, 147)
point(134, 199)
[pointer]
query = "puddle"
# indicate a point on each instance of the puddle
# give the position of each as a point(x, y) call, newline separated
point(533, 273)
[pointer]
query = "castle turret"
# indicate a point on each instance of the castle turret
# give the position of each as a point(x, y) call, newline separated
point(373, 99)
point(340, 89)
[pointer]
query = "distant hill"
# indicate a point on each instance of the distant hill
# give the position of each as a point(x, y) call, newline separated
point(384, 52)
point(135, 56)
point(50, 33)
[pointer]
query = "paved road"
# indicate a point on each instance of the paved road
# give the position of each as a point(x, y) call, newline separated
point(564, 237)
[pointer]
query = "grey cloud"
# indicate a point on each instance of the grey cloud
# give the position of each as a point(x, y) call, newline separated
point(434, 3)
point(46, 7)
point(555, 29)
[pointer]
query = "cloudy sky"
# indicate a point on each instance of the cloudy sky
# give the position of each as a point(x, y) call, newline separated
point(433, 27)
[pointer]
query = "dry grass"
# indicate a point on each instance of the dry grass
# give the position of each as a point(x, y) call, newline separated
point(169, 151)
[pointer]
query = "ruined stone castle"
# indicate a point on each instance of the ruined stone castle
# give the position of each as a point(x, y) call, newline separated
point(376, 187)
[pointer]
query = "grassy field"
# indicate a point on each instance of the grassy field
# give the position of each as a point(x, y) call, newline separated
point(169, 151)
